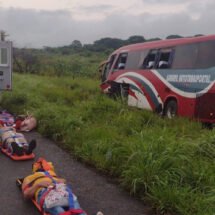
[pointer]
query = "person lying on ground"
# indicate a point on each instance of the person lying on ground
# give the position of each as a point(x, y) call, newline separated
point(44, 186)
point(15, 142)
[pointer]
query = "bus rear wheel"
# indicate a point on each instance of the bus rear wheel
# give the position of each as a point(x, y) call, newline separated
point(171, 109)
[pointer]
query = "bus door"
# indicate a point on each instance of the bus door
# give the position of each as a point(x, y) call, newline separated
point(107, 67)
point(5, 65)
point(158, 61)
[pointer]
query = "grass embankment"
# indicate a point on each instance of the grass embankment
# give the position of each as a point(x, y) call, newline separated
point(170, 163)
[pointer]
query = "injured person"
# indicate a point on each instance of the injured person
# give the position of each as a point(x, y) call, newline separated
point(15, 143)
point(50, 192)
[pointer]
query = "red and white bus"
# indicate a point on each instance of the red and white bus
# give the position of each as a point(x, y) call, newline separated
point(172, 77)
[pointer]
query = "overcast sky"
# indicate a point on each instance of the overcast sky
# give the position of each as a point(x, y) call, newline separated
point(38, 23)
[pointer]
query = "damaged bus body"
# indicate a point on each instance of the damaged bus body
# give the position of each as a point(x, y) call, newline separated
point(171, 77)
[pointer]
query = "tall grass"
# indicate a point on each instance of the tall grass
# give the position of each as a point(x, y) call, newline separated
point(76, 65)
point(169, 163)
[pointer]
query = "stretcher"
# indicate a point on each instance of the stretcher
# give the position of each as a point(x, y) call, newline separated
point(19, 182)
point(16, 157)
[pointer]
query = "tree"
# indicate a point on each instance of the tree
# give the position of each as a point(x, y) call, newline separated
point(25, 61)
point(135, 39)
point(107, 43)
point(153, 39)
point(76, 45)
point(198, 35)
point(174, 36)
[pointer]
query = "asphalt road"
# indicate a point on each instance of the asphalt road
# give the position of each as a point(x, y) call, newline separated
point(95, 192)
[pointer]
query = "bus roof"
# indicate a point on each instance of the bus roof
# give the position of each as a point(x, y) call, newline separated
point(164, 43)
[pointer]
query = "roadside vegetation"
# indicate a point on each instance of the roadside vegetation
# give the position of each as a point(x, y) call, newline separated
point(169, 164)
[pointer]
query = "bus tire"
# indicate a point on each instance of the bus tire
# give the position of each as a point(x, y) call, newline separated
point(171, 109)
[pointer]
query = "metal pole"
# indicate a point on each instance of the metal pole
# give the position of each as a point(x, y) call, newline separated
point(3, 35)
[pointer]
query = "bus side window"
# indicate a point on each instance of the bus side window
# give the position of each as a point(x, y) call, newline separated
point(133, 60)
point(143, 55)
point(185, 56)
point(206, 55)
point(165, 58)
point(121, 61)
point(150, 60)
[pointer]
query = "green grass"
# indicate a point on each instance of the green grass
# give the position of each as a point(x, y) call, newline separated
point(70, 65)
point(169, 163)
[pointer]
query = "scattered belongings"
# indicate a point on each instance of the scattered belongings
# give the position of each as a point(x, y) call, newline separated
point(6, 119)
point(21, 122)
point(26, 123)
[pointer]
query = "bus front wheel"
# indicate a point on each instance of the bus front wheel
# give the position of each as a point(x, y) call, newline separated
point(171, 109)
